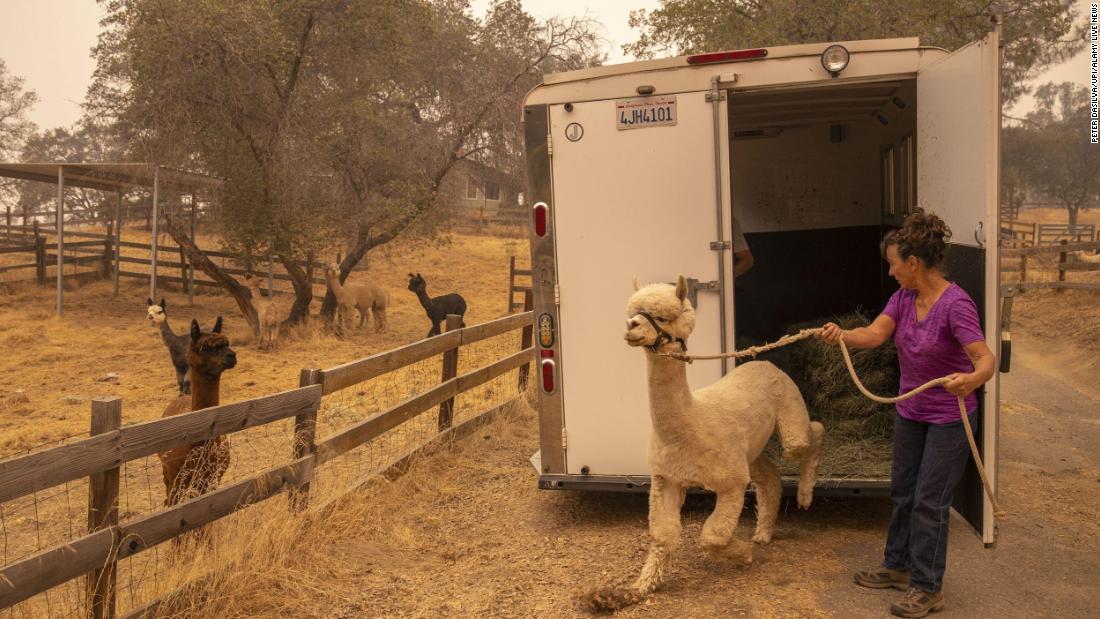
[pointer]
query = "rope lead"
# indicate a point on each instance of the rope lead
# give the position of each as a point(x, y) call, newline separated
point(805, 333)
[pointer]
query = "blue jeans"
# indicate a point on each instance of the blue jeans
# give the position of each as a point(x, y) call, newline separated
point(929, 460)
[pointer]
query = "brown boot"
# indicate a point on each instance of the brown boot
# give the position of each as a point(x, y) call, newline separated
point(883, 578)
point(917, 603)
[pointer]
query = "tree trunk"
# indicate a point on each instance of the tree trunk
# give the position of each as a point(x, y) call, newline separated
point(198, 258)
point(302, 280)
point(1073, 210)
point(366, 242)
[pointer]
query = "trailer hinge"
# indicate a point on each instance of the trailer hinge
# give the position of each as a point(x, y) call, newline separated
point(715, 93)
point(557, 294)
point(694, 286)
point(564, 442)
point(721, 245)
point(549, 145)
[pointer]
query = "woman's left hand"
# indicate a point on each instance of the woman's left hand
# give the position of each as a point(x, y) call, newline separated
point(961, 384)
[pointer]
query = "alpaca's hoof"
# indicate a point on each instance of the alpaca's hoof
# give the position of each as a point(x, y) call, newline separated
point(608, 599)
point(762, 537)
point(805, 498)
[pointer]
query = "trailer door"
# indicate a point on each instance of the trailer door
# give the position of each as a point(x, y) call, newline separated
point(958, 122)
point(630, 201)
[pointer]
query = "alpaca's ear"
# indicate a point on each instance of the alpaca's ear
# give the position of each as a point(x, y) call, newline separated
point(218, 325)
point(149, 302)
point(636, 286)
point(196, 333)
point(163, 305)
point(410, 276)
point(418, 275)
point(681, 288)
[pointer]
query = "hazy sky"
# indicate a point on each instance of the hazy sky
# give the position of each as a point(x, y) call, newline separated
point(48, 42)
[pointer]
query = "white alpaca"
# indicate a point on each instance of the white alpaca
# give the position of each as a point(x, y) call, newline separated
point(267, 313)
point(1086, 256)
point(712, 438)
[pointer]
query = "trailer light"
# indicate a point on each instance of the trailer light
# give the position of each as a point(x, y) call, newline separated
point(546, 331)
point(541, 213)
point(731, 56)
point(547, 353)
point(834, 59)
point(547, 376)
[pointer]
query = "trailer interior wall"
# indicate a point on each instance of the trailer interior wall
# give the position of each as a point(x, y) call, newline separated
point(812, 207)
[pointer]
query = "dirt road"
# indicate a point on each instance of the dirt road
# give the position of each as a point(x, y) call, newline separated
point(475, 538)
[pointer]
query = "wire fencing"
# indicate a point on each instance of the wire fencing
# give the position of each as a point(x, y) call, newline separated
point(43, 520)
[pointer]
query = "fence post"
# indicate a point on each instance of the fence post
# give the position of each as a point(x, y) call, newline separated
point(108, 249)
point(450, 370)
point(1062, 265)
point(525, 340)
point(40, 259)
point(511, 281)
point(183, 271)
point(305, 439)
point(103, 511)
point(191, 265)
point(117, 241)
point(1023, 264)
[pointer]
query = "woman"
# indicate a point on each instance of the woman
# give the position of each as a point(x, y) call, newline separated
point(936, 329)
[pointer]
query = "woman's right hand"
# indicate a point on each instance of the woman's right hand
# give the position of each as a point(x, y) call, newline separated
point(831, 333)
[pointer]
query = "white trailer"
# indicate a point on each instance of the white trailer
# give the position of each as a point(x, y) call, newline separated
point(636, 170)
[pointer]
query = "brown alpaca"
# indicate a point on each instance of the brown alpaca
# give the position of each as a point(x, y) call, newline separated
point(362, 297)
point(267, 313)
point(196, 469)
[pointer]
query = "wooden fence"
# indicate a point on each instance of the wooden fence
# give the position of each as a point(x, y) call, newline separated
point(514, 286)
point(1021, 257)
point(1024, 234)
point(100, 456)
point(102, 251)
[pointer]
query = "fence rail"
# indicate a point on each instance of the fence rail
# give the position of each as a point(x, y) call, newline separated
point(106, 543)
point(514, 286)
point(1034, 233)
point(1020, 259)
point(106, 249)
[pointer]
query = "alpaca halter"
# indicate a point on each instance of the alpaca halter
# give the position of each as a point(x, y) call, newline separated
point(663, 336)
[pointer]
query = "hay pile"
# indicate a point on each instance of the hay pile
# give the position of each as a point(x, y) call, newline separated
point(858, 432)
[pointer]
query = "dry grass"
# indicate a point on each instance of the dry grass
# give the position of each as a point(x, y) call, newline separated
point(858, 432)
point(59, 365)
point(465, 533)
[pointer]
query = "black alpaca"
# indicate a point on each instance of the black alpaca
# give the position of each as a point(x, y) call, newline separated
point(177, 344)
point(439, 307)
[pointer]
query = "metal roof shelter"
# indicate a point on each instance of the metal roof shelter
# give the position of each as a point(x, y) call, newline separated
point(115, 177)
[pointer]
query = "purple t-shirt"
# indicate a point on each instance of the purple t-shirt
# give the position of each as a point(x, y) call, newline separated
point(933, 347)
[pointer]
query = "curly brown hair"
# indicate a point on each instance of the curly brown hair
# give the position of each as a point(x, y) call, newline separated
point(923, 235)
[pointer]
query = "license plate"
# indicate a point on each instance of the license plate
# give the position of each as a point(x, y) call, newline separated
point(645, 112)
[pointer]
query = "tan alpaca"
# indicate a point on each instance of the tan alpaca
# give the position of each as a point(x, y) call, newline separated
point(267, 313)
point(362, 297)
point(713, 438)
